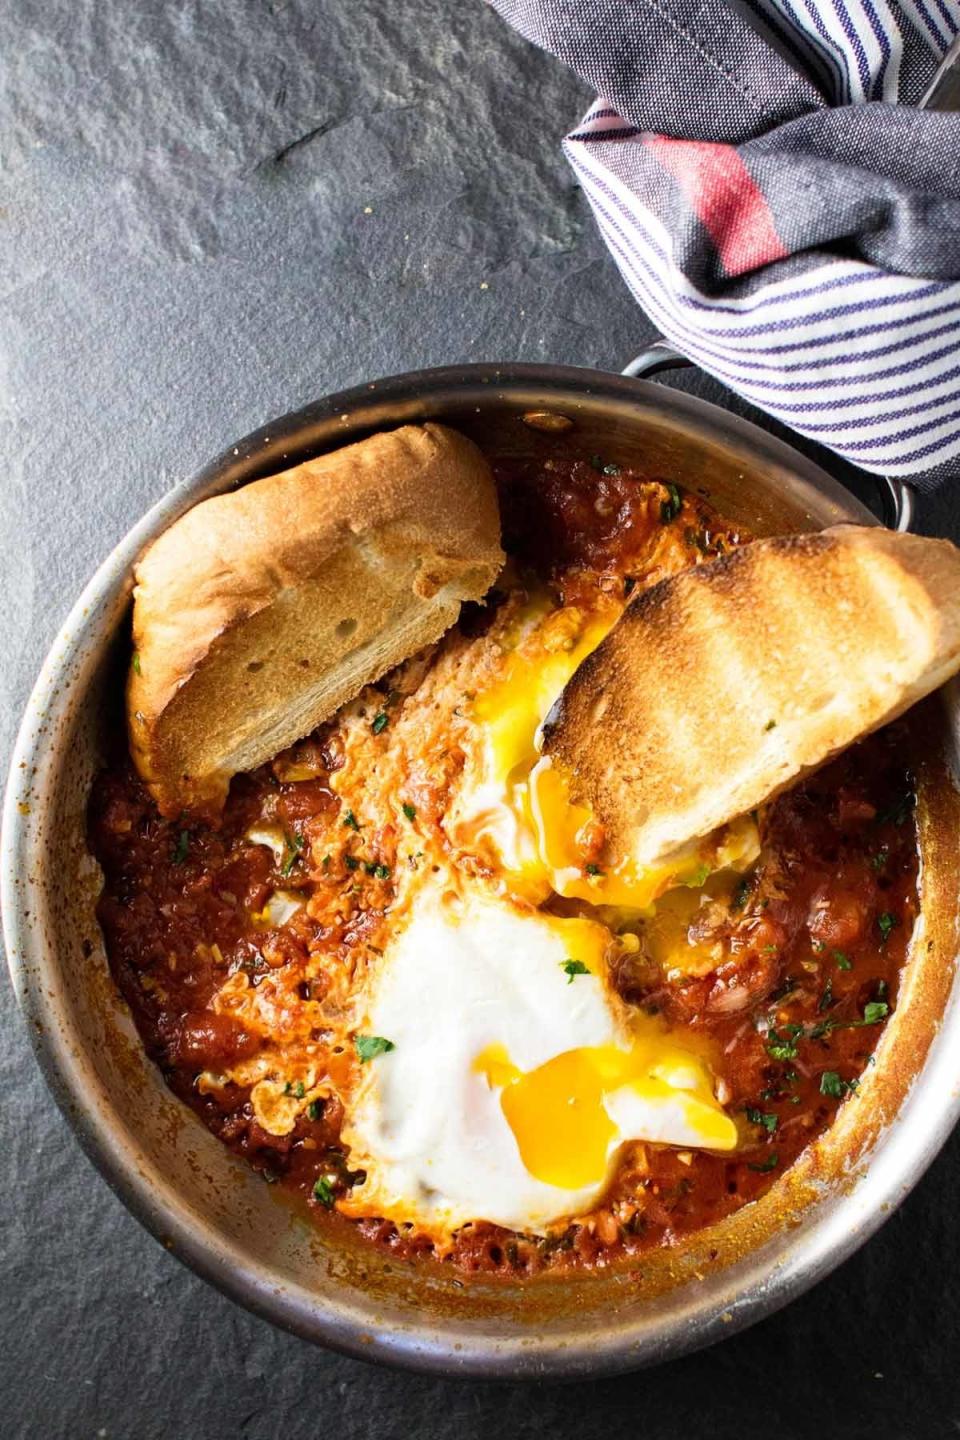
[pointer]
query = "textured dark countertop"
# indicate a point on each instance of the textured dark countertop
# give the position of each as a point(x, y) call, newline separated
point(212, 212)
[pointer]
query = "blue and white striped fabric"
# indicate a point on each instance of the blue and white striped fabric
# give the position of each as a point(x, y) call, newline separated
point(777, 206)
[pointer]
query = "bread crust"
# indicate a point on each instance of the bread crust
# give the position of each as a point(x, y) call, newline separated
point(725, 684)
point(259, 612)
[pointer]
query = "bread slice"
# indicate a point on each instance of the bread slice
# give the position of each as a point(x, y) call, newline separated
point(260, 612)
point(726, 683)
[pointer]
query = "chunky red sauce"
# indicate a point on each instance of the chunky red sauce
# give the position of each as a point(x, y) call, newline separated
point(811, 942)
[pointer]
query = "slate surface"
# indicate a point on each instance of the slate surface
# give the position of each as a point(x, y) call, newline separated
point(210, 213)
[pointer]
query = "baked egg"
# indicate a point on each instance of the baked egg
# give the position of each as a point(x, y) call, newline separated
point(514, 1074)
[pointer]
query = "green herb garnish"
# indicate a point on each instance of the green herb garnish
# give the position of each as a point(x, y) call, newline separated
point(572, 968)
point(880, 859)
point(698, 878)
point(350, 820)
point(875, 1011)
point(843, 961)
point(763, 1167)
point(181, 848)
point(611, 469)
point(323, 1191)
point(741, 894)
point(899, 812)
point(831, 1084)
point(299, 1090)
point(380, 872)
point(380, 722)
point(826, 1000)
point(409, 811)
point(351, 862)
point(368, 1047)
point(782, 1044)
point(136, 662)
point(314, 1110)
point(294, 844)
point(886, 923)
point(760, 1117)
point(593, 869)
point(670, 509)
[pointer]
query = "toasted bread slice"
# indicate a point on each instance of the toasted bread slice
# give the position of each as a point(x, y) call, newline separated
point(260, 612)
point(726, 683)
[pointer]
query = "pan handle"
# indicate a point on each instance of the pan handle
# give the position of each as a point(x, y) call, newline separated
point(898, 497)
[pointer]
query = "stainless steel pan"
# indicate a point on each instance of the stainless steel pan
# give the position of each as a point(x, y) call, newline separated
point(219, 1217)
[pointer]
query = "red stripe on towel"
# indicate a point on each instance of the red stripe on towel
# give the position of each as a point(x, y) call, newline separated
point(725, 198)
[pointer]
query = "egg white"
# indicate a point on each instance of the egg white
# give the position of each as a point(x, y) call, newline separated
point(468, 972)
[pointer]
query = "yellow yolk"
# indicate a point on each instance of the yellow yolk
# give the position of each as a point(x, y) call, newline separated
point(517, 802)
point(547, 647)
point(508, 1095)
point(569, 1114)
point(560, 824)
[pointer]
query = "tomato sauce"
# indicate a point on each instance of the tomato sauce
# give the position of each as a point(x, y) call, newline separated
point(809, 944)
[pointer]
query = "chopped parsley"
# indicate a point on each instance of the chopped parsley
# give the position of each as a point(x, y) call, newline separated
point(136, 663)
point(670, 508)
point(380, 872)
point(294, 844)
point(350, 820)
point(880, 859)
point(827, 999)
point(368, 1047)
point(818, 946)
point(843, 961)
point(611, 469)
point(873, 1013)
point(299, 1090)
point(698, 878)
point(763, 1167)
point(741, 894)
point(181, 848)
point(831, 1084)
point(409, 811)
point(593, 869)
point(380, 722)
point(782, 1044)
point(762, 1118)
point(325, 863)
point(323, 1191)
point(899, 812)
point(886, 923)
point(351, 862)
point(314, 1110)
point(572, 968)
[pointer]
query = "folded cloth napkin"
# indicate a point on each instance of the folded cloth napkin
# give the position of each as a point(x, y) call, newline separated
point(779, 207)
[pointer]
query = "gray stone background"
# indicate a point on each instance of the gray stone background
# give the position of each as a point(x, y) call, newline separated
point(213, 211)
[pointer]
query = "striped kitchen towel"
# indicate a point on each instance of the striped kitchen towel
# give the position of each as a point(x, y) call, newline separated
point(778, 205)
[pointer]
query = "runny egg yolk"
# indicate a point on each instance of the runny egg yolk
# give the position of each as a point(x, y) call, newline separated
point(517, 802)
point(569, 1115)
point(543, 649)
